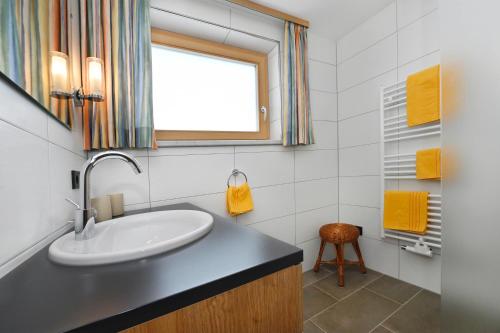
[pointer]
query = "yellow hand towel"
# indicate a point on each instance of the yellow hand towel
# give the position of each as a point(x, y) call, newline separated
point(429, 164)
point(422, 96)
point(239, 199)
point(405, 211)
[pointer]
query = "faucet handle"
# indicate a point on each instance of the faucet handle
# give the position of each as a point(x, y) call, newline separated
point(73, 203)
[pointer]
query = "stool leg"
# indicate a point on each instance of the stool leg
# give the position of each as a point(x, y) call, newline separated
point(362, 267)
point(340, 264)
point(320, 255)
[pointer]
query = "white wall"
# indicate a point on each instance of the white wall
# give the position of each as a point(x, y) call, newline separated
point(399, 40)
point(37, 154)
point(295, 190)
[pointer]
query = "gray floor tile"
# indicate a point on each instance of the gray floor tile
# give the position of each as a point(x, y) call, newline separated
point(315, 301)
point(311, 276)
point(360, 312)
point(393, 288)
point(381, 329)
point(421, 314)
point(311, 328)
point(353, 279)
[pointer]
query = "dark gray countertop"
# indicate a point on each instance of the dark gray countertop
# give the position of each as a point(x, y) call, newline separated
point(40, 296)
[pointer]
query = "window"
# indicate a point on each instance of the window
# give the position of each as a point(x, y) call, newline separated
point(204, 90)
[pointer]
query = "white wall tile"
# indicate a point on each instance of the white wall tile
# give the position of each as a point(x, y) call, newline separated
point(115, 176)
point(314, 164)
point(323, 105)
point(366, 217)
point(247, 41)
point(275, 130)
point(275, 105)
point(268, 168)
point(361, 191)
point(310, 249)
point(24, 190)
point(69, 139)
point(188, 175)
point(325, 136)
point(187, 26)
point(381, 256)
point(308, 223)
point(180, 151)
point(368, 33)
point(365, 97)
point(322, 76)
point(257, 24)
point(321, 49)
point(270, 202)
point(214, 203)
point(61, 163)
point(421, 271)
point(315, 194)
point(419, 64)
point(370, 63)
point(282, 228)
point(209, 11)
point(132, 207)
point(18, 110)
point(411, 10)
point(419, 38)
point(360, 160)
point(359, 130)
point(274, 68)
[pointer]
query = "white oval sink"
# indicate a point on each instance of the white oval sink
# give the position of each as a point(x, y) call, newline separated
point(132, 237)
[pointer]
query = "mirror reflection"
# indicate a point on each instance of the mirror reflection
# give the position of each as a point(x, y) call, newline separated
point(40, 54)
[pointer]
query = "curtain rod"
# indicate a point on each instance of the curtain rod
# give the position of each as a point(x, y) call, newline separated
point(270, 11)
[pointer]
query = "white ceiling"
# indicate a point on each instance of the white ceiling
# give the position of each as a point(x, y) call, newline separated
point(330, 18)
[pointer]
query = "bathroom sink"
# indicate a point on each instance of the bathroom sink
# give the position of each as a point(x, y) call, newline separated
point(132, 237)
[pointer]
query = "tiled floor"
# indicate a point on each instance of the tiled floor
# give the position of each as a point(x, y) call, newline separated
point(370, 302)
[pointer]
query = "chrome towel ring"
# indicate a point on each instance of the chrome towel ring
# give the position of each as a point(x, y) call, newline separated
point(235, 173)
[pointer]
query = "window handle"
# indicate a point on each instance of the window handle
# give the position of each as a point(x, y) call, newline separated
point(263, 110)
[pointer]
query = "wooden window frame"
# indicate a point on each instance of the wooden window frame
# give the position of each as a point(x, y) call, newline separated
point(189, 43)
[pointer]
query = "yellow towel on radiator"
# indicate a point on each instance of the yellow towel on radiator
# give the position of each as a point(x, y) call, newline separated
point(422, 96)
point(429, 164)
point(405, 211)
point(239, 199)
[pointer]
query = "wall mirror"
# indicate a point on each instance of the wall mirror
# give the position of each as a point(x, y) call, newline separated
point(32, 34)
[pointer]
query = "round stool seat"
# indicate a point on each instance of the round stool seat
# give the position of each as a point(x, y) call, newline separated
point(338, 233)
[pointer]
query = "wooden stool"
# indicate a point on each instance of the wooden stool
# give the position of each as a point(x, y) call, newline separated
point(338, 234)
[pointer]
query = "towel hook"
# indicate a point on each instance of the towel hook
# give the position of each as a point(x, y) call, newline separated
point(234, 173)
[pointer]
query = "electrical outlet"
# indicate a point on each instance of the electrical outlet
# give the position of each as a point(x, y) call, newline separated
point(360, 230)
point(75, 179)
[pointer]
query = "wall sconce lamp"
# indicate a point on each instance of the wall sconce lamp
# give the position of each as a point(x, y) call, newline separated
point(59, 79)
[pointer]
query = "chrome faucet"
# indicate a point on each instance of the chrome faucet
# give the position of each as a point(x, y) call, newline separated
point(85, 215)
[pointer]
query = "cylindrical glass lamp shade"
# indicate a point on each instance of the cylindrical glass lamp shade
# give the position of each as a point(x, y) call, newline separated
point(95, 79)
point(59, 78)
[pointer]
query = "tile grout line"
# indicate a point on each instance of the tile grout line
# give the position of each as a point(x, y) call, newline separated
point(311, 283)
point(322, 330)
point(386, 72)
point(341, 299)
point(383, 296)
point(391, 331)
point(385, 37)
point(395, 311)
point(338, 127)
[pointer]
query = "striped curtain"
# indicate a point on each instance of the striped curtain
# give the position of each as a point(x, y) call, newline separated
point(28, 30)
point(297, 120)
point(119, 32)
